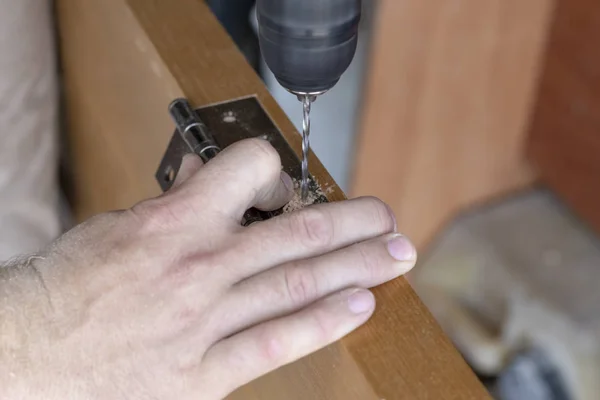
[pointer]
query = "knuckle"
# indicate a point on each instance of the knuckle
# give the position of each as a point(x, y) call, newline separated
point(266, 157)
point(181, 273)
point(300, 285)
point(271, 347)
point(313, 227)
point(380, 213)
point(158, 214)
point(150, 214)
point(371, 262)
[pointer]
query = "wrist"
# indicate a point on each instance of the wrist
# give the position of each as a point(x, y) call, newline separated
point(26, 313)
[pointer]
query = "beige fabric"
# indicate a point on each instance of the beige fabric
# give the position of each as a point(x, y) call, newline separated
point(28, 127)
point(521, 274)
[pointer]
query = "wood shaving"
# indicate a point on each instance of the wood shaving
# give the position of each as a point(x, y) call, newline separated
point(296, 203)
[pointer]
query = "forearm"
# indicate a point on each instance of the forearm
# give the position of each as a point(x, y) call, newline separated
point(25, 314)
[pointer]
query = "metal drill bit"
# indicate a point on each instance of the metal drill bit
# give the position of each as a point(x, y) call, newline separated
point(306, 103)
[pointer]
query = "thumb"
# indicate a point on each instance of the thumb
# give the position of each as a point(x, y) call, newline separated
point(190, 164)
point(277, 195)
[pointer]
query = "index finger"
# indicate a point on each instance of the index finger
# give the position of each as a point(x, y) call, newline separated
point(309, 232)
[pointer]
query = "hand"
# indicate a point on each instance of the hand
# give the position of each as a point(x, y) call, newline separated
point(174, 299)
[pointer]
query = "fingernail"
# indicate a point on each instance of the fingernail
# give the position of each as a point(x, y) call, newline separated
point(287, 181)
point(361, 301)
point(401, 248)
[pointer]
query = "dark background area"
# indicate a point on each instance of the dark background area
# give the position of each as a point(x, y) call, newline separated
point(234, 15)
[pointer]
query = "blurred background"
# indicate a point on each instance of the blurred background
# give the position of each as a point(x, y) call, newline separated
point(477, 121)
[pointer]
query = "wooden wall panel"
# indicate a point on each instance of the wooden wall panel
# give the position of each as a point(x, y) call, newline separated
point(449, 95)
point(565, 131)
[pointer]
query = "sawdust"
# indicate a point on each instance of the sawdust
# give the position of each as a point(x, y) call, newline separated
point(324, 190)
point(296, 203)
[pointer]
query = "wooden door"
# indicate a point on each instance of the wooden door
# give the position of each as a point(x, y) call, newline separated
point(449, 97)
point(565, 128)
point(124, 61)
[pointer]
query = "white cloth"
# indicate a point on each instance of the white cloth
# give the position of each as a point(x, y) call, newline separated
point(29, 217)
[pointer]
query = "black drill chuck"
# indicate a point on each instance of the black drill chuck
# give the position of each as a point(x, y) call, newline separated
point(308, 44)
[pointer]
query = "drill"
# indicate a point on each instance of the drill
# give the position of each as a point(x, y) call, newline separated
point(308, 45)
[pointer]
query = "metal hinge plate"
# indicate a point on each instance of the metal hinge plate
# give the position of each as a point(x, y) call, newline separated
point(230, 122)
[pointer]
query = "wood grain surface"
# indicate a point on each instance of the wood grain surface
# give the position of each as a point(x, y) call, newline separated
point(448, 99)
point(565, 130)
point(124, 62)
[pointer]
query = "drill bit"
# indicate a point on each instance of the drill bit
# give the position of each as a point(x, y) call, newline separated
point(306, 103)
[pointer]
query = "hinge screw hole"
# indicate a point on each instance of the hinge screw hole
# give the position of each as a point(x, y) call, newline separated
point(169, 174)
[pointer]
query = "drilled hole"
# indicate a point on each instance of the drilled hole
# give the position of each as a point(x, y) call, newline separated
point(229, 117)
point(169, 174)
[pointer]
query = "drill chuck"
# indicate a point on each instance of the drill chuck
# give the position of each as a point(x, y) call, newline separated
point(308, 44)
